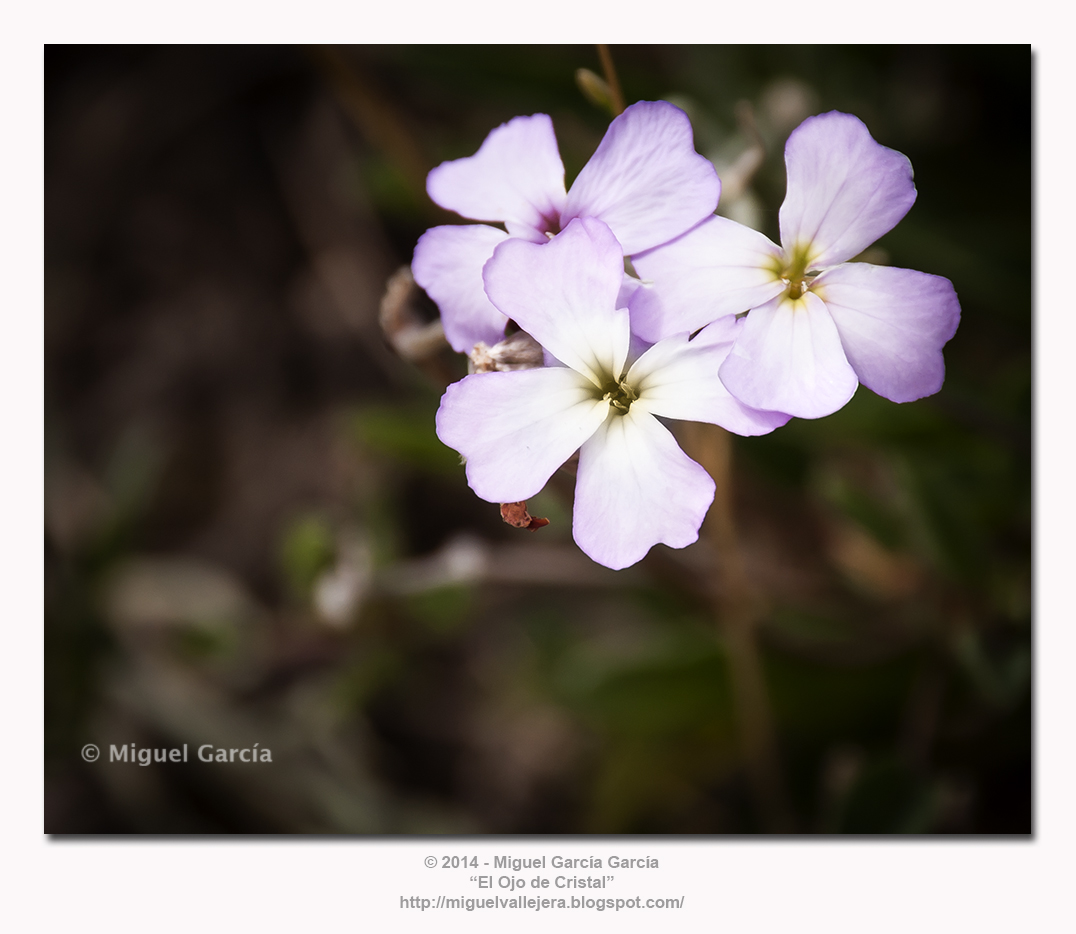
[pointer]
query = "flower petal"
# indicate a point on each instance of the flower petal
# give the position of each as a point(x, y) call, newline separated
point(448, 264)
point(514, 429)
point(717, 268)
point(788, 358)
point(516, 176)
point(893, 324)
point(563, 293)
point(677, 378)
point(645, 180)
point(628, 287)
point(844, 189)
point(635, 488)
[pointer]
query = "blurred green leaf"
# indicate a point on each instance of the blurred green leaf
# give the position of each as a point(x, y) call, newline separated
point(390, 190)
point(207, 640)
point(862, 702)
point(681, 688)
point(887, 798)
point(405, 433)
point(306, 550)
point(444, 610)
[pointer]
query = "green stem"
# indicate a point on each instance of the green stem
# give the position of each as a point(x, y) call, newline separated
point(738, 611)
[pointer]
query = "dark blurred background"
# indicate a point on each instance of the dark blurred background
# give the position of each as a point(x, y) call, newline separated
point(253, 534)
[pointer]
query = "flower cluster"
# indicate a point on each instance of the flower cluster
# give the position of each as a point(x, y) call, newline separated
point(645, 181)
point(721, 325)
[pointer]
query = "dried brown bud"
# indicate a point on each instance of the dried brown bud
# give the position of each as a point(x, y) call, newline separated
point(402, 326)
point(516, 514)
point(518, 351)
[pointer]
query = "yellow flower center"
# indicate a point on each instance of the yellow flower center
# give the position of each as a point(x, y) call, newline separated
point(794, 269)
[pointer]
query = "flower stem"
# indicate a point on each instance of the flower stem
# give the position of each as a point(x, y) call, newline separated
point(617, 98)
point(738, 610)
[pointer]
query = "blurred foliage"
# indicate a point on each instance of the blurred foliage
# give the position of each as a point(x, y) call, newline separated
point(402, 434)
point(306, 551)
point(223, 412)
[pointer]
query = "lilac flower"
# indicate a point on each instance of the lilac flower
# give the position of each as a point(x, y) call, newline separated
point(645, 181)
point(634, 485)
point(817, 324)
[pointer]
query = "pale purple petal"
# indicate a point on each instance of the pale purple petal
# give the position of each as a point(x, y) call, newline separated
point(677, 378)
point(645, 180)
point(635, 488)
point(718, 268)
point(788, 358)
point(448, 264)
point(628, 287)
point(514, 429)
point(638, 344)
point(563, 293)
point(516, 177)
point(844, 189)
point(893, 324)
point(636, 349)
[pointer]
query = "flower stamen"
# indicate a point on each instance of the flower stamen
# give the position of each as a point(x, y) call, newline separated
point(620, 396)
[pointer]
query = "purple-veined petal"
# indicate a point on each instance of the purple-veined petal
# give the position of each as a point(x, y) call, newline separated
point(563, 293)
point(448, 264)
point(516, 177)
point(893, 324)
point(788, 358)
point(645, 179)
point(635, 488)
point(514, 429)
point(715, 269)
point(844, 189)
point(677, 378)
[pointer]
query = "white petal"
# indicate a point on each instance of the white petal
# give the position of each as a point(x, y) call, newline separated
point(844, 189)
point(645, 180)
point(448, 264)
point(514, 429)
point(677, 378)
point(635, 488)
point(563, 293)
point(788, 358)
point(516, 176)
point(893, 324)
point(718, 268)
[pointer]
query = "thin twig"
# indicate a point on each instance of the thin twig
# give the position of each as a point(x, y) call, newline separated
point(616, 97)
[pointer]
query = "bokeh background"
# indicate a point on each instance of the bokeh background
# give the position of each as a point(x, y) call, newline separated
point(253, 535)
